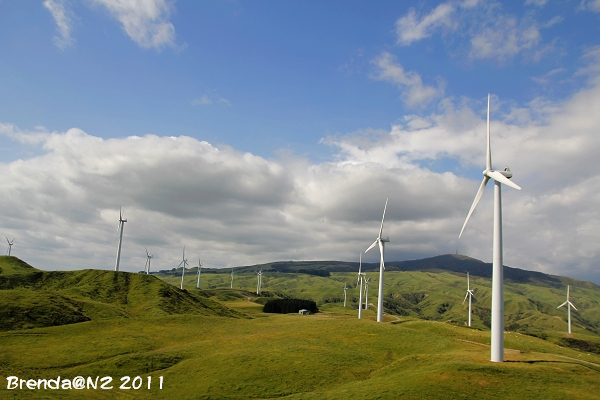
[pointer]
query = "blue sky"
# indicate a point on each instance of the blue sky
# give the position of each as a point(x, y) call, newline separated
point(255, 131)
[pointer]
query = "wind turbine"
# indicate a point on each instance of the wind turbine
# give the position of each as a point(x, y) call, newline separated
point(345, 290)
point(231, 286)
point(121, 225)
point(367, 292)
point(499, 177)
point(259, 281)
point(10, 244)
point(569, 305)
point(381, 242)
point(183, 263)
point(360, 279)
point(470, 296)
point(199, 273)
point(148, 258)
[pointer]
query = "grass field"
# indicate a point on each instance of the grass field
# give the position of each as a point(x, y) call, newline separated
point(329, 355)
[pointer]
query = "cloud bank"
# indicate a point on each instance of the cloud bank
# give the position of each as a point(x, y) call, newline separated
point(233, 208)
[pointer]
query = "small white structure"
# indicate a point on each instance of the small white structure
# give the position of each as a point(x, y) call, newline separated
point(304, 311)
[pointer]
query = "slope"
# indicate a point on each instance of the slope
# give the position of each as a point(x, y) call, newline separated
point(30, 297)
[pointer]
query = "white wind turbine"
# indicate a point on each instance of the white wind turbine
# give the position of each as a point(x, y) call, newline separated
point(381, 242)
point(345, 290)
point(360, 279)
point(148, 258)
point(121, 225)
point(259, 281)
point(569, 305)
point(231, 285)
point(183, 263)
point(499, 177)
point(367, 292)
point(10, 244)
point(469, 295)
point(199, 273)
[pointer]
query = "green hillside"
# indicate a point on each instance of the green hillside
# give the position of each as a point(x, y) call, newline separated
point(434, 293)
point(140, 325)
point(31, 298)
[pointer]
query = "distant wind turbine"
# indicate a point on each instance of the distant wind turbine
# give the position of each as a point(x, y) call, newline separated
point(183, 263)
point(259, 281)
point(121, 225)
point(360, 280)
point(148, 258)
point(345, 290)
point(199, 273)
point(499, 177)
point(569, 305)
point(470, 296)
point(231, 286)
point(10, 244)
point(381, 242)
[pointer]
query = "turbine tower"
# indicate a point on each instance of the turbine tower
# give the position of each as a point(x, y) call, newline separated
point(10, 244)
point(381, 242)
point(569, 305)
point(360, 279)
point(470, 296)
point(199, 273)
point(231, 285)
point(148, 258)
point(183, 263)
point(499, 177)
point(345, 290)
point(121, 225)
point(259, 281)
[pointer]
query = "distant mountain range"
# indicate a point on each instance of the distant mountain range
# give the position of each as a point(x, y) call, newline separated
point(448, 262)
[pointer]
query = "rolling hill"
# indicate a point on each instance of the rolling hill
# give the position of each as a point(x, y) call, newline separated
point(430, 289)
point(31, 298)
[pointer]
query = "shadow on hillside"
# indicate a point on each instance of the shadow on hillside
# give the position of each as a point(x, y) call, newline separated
point(591, 366)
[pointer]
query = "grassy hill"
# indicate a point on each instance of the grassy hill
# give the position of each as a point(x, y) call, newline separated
point(31, 298)
point(422, 350)
point(295, 357)
point(434, 293)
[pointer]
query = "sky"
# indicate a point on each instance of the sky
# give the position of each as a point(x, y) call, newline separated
point(260, 131)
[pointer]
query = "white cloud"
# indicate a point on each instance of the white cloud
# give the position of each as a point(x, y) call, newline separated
point(591, 5)
point(504, 39)
point(235, 208)
point(411, 28)
point(490, 33)
point(206, 100)
point(414, 92)
point(202, 101)
point(538, 3)
point(63, 22)
point(592, 58)
point(145, 21)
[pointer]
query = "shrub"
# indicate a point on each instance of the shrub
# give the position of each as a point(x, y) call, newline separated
point(286, 306)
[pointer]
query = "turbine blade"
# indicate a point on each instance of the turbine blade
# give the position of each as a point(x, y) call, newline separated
point(563, 304)
point(477, 197)
point(467, 295)
point(497, 176)
point(488, 156)
point(381, 251)
point(573, 306)
point(383, 218)
point(359, 263)
point(371, 246)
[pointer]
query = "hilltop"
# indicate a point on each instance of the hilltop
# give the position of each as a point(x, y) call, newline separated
point(428, 289)
point(448, 262)
point(30, 297)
